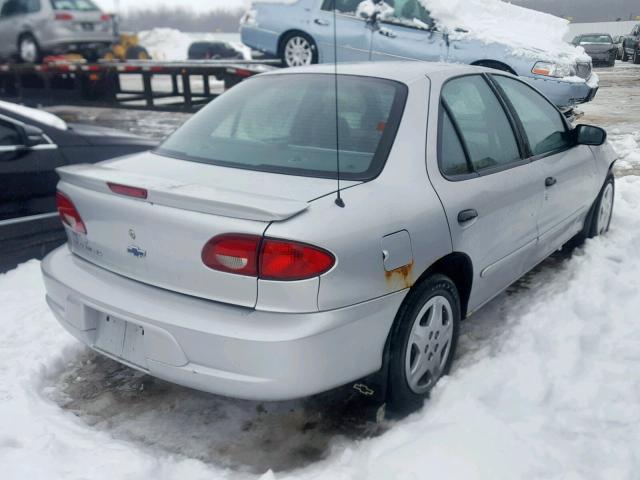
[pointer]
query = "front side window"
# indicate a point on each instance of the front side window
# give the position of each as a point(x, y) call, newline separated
point(287, 124)
point(544, 126)
point(410, 13)
point(9, 135)
point(482, 123)
point(75, 5)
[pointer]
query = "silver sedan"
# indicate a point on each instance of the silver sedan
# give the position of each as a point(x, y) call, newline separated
point(248, 256)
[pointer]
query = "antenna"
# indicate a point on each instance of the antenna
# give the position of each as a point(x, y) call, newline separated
point(339, 200)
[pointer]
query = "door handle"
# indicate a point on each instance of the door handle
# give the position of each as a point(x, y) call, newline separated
point(550, 182)
point(322, 23)
point(388, 33)
point(466, 216)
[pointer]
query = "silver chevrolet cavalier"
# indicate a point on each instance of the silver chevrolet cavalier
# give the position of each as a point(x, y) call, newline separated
point(251, 257)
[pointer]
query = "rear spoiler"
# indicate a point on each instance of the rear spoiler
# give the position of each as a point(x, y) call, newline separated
point(191, 197)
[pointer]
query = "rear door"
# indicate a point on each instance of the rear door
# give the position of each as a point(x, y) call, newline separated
point(408, 33)
point(491, 195)
point(27, 176)
point(569, 170)
point(353, 36)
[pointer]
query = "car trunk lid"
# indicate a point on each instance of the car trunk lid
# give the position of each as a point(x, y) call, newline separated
point(159, 239)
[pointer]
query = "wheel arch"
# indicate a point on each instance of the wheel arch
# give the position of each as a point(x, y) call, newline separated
point(293, 31)
point(495, 64)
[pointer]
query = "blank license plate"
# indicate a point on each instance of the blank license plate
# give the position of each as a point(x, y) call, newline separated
point(121, 339)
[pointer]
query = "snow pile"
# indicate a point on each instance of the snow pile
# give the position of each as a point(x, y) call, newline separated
point(546, 386)
point(40, 116)
point(628, 148)
point(526, 31)
point(168, 44)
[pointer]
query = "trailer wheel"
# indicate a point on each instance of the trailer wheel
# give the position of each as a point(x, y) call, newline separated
point(28, 49)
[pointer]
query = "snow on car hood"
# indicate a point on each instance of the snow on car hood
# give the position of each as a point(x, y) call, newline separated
point(527, 32)
point(39, 116)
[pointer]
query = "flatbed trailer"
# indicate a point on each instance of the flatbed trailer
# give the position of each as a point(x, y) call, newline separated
point(144, 85)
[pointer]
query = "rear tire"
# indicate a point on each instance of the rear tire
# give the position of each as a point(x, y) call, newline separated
point(423, 343)
point(298, 49)
point(28, 49)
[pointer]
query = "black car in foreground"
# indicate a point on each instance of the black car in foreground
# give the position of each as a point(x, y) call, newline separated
point(33, 143)
point(600, 47)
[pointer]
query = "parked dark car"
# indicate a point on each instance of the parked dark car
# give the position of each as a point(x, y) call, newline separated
point(33, 143)
point(599, 46)
point(632, 46)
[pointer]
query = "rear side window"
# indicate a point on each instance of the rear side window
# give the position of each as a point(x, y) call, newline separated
point(453, 160)
point(287, 124)
point(19, 7)
point(544, 126)
point(482, 122)
point(76, 5)
point(9, 135)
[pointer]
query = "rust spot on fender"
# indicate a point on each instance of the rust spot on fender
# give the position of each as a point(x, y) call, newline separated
point(400, 278)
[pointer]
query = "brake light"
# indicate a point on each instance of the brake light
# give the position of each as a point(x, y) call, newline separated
point(105, 17)
point(268, 259)
point(64, 17)
point(128, 191)
point(69, 214)
point(233, 253)
point(287, 261)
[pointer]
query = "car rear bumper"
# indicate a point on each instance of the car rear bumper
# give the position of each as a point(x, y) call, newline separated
point(217, 348)
point(260, 39)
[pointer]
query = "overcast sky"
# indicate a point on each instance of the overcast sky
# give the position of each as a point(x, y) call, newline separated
point(110, 5)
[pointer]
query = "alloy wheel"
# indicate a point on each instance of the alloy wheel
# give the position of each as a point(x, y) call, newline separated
point(429, 345)
point(28, 50)
point(298, 52)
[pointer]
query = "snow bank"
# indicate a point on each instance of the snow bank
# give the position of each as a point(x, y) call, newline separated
point(173, 45)
point(546, 387)
point(41, 116)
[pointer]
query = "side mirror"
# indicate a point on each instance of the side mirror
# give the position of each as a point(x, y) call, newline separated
point(33, 136)
point(590, 135)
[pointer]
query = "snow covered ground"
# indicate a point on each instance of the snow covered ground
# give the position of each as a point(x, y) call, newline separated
point(546, 384)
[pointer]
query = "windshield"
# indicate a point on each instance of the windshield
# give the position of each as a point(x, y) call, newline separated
point(287, 124)
point(589, 39)
point(76, 5)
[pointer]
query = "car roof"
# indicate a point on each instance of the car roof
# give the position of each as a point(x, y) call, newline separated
point(403, 71)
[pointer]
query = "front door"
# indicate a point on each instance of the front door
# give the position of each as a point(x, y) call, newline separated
point(407, 31)
point(352, 35)
point(569, 171)
point(491, 193)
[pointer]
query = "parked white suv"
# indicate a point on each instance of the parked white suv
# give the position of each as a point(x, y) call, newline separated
point(29, 29)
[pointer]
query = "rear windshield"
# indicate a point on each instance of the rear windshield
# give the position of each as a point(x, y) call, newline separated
point(76, 5)
point(596, 39)
point(287, 124)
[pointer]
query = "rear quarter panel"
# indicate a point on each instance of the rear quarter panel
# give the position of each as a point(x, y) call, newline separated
point(401, 198)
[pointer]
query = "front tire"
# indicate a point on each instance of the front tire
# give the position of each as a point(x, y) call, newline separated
point(298, 50)
point(28, 49)
point(603, 211)
point(625, 57)
point(423, 343)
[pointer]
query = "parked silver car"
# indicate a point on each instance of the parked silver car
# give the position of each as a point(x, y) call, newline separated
point(223, 261)
point(30, 29)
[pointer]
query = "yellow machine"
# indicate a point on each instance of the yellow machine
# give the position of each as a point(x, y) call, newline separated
point(127, 48)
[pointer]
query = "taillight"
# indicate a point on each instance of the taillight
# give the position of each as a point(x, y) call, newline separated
point(128, 191)
point(64, 17)
point(287, 261)
point(233, 254)
point(268, 259)
point(105, 18)
point(69, 213)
